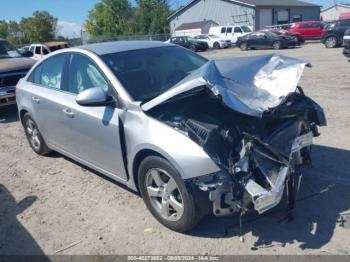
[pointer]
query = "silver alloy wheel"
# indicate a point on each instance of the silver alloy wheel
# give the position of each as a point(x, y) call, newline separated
point(331, 42)
point(243, 46)
point(164, 194)
point(33, 134)
point(276, 45)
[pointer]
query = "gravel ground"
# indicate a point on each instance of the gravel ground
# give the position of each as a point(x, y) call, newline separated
point(50, 203)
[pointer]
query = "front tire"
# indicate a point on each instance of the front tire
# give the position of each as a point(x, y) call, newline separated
point(34, 136)
point(216, 45)
point(166, 195)
point(331, 42)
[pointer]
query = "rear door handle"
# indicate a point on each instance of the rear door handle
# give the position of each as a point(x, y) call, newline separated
point(68, 112)
point(36, 99)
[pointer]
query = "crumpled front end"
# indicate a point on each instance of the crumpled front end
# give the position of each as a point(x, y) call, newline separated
point(266, 167)
point(253, 121)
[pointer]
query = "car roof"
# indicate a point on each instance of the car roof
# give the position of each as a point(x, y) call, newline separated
point(121, 46)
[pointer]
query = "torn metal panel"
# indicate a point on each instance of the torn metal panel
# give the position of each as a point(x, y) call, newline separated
point(250, 85)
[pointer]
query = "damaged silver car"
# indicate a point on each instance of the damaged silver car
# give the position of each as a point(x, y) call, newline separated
point(192, 136)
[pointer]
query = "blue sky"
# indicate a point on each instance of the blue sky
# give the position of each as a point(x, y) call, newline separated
point(70, 13)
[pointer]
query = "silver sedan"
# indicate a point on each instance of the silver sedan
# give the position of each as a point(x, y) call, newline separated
point(192, 136)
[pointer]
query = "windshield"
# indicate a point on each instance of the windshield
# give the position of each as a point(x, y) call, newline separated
point(8, 51)
point(147, 73)
point(246, 29)
point(271, 34)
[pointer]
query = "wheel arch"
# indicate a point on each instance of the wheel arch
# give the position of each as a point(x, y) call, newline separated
point(139, 157)
point(22, 112)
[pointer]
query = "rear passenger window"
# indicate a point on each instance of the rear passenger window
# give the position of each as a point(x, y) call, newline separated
point(51, 72)
point(229, 30)
point(223, 30)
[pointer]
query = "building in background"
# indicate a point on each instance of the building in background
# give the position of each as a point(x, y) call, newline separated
point(254, 13)
point(336, 12)
point(195, 28)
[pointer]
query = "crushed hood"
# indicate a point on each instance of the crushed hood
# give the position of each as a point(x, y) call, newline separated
point(250, 85)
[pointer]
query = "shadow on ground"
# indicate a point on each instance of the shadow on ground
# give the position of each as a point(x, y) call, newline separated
point(8, 114)
point(323, 197)
point(14, 238)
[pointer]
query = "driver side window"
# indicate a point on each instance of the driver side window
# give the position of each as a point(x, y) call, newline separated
point(84, 74)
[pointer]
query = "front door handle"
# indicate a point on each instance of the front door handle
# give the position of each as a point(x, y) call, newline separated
point(36, 99)
point(68, 112)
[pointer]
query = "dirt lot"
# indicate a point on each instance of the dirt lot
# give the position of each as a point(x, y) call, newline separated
point(49, 203)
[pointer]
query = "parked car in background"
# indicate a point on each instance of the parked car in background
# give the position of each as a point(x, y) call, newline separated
point(13, 66)
point(346, 50)
point(333, 37)
point(189, 43)
point(280, 26)
point(296, 37)
point(265, 40)
point(218, 137)
point(231, 32)
point(40, 50)
point(24, 49)
point(308, 30)
point(214, 41)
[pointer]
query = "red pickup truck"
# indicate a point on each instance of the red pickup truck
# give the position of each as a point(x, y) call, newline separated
point(308, 30)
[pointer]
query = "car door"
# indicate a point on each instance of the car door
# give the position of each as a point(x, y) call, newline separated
point(223, 32)
point(306, 30)
point(230, 35)
point(90, 133)
point(47, 97)
point(341, 28)
point(37, 52)
point(315, 30)
point(257, 40)
point(237, 32)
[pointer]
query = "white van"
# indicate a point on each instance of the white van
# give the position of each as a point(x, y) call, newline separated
point(230, 32)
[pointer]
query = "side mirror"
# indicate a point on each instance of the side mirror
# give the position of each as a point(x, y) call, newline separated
point(27, 53)
point(93, 97)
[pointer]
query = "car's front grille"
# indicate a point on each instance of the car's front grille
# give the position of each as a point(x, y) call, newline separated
point(11, 79)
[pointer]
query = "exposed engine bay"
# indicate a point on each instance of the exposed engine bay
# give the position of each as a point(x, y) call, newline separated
point(253, 121)
point(258, 156)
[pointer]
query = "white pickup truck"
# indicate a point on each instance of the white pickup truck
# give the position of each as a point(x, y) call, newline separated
point(40, 50)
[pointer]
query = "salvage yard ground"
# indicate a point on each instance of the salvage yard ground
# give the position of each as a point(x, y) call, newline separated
point(50, 203)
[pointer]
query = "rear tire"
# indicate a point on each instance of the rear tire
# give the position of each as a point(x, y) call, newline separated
point(34, 136)
point(243, 47)
point(166, 196)
point(331, 42)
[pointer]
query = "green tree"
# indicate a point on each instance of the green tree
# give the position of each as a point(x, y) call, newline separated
point(110, 17)
point(40, 27)
point(152, 16)
point(3, 29)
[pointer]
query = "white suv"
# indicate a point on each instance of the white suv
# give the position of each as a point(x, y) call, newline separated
point(214, 41)
point(230, 32)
